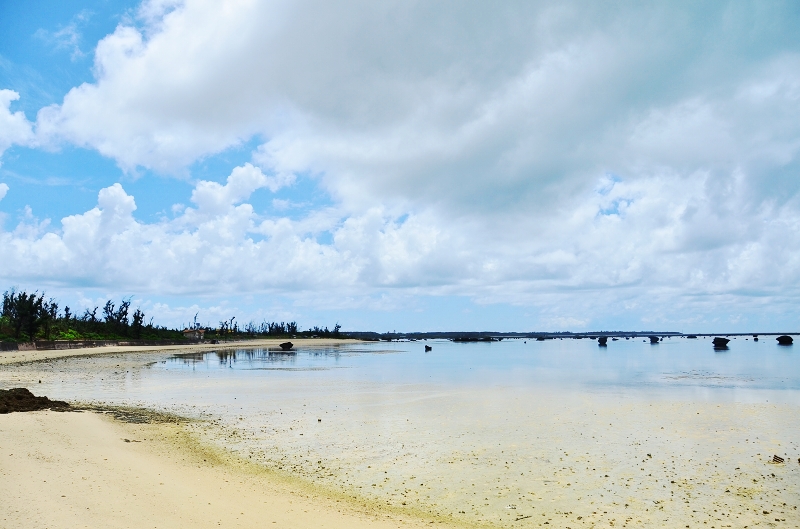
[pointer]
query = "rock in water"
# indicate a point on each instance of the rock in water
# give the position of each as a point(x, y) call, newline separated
point(720, 342)
point(20, 399)
point(653, 339)
point(603, 340)
point(428, 348)
point(784, 340)
point(286, 345)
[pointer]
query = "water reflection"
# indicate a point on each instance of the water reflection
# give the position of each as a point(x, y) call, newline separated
point(261, 358)
point(569, 363)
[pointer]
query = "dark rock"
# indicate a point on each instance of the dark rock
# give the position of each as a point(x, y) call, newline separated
point(20, 399)
point(692, 337)
point(653, 339)
point(602, 341)
point(784, 340)
point(720, 343)
point(286, 346)
point(428, 348)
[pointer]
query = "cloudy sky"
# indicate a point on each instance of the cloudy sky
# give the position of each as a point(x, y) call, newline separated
point(409, 165)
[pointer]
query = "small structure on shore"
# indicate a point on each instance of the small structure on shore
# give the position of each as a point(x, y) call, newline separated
point(784, 340)
point(720, 343)
point(195, 334)
point(286, 346)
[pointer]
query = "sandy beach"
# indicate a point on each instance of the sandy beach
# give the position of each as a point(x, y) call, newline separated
point(321, 445)
point(69, 469)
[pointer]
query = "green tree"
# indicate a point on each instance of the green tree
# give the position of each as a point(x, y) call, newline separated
point(25, 312)
point(136, 327)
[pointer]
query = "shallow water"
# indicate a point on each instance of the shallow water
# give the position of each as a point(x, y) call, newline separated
point(503, 432)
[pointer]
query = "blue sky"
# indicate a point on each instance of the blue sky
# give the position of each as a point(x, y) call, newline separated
point(406, 166)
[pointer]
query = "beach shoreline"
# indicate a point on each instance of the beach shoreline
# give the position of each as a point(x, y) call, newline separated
point(457, 456)
point(22, 357)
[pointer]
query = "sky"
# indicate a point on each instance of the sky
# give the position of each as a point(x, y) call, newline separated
point(406, 165)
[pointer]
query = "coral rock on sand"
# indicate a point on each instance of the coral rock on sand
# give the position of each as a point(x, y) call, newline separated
point(20, 399)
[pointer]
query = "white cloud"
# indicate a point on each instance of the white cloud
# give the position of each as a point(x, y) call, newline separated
point(660, 247)
point(472, 108)
point(15, 129)
point(67, 37)
point(558, 154)
point(3, 190)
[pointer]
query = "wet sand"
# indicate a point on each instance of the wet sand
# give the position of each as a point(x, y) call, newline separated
point(68, 470)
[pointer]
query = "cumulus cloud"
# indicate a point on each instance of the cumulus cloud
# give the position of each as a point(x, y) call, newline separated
point(658, 246)
point(15, 129)
point(559, 154)
point(479, 106)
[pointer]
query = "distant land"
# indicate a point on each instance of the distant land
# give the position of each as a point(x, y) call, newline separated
point(488, 336)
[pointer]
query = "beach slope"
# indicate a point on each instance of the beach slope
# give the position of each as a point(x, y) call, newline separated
point(67, 469)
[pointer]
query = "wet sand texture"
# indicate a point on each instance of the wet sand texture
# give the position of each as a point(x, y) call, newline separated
point(68, 470)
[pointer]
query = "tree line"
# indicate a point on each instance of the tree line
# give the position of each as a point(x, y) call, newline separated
point(266, 329)
point(28, 316)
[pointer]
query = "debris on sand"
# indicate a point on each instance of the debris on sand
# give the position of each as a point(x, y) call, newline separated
point(777, 459)
point(20, 399)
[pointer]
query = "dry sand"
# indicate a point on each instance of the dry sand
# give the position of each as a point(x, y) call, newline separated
point(87, 470)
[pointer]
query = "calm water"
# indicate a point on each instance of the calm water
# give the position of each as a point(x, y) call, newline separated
point(675, 366)
point(491, 432)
